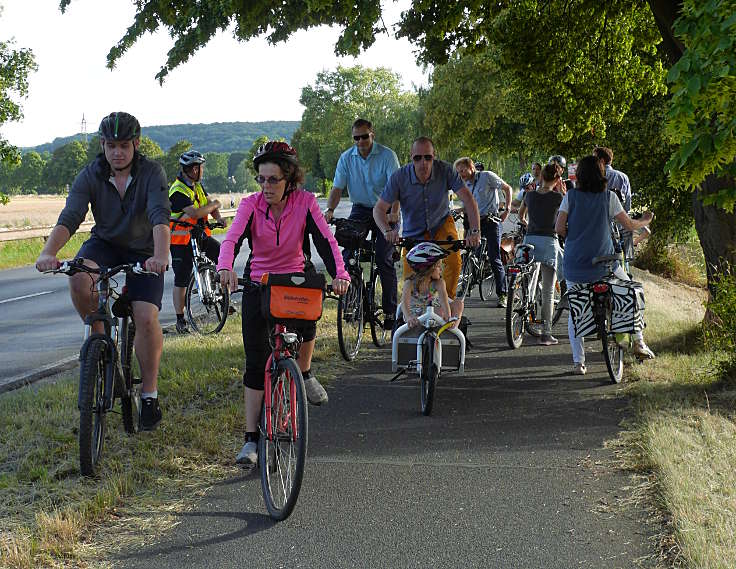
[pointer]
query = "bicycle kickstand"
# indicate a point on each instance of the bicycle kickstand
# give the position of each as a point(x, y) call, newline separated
point(402, 371)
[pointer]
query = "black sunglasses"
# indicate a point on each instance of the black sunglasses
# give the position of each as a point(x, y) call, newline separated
point(418, 157)
point(357, 137)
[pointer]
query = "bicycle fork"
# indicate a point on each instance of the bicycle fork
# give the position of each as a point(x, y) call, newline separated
point(203, 285)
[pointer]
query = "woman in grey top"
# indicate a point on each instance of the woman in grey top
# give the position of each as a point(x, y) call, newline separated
point(541, 206)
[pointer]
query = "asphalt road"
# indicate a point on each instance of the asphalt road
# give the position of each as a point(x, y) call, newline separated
point(510, 471)
point(39, 328)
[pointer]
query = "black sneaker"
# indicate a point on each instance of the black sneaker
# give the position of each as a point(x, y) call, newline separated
point(150, 414)
point(181, 326)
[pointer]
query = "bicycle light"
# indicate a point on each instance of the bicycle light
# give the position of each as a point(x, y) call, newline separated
point(600, 288)
point(513, 270)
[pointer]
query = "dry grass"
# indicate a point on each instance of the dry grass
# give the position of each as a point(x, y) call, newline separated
point(682, 438)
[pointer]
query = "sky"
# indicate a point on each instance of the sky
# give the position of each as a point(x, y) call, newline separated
point(225, 81)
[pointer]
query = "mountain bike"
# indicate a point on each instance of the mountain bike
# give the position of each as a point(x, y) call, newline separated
point(476, 268)
point(284, 424)
point(108, 369)
point(207, 301)
point(363, 302)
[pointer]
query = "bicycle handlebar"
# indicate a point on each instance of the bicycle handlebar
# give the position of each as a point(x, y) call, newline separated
point(455, 244)
point(209, 224)
point(77, 266)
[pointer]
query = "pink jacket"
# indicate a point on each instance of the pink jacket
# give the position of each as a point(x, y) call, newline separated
point(280, 246)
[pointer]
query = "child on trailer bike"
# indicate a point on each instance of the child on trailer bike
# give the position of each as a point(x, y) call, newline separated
point(277, 223)
point(425, 286)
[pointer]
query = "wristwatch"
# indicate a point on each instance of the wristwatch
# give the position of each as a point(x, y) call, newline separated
point(387, 231)
point(332, 209)
point(474, 231)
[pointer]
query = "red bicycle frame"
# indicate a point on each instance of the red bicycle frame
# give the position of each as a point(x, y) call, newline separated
point(285, 415)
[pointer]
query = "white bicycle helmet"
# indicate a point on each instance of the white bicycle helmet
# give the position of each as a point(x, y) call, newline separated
point(191, 158)
point(424, 255)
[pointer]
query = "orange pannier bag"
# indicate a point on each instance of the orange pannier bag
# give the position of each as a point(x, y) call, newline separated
point(292, 296)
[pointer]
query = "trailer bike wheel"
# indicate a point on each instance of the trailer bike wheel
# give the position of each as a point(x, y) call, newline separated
point(428, 377)
point(282, 452)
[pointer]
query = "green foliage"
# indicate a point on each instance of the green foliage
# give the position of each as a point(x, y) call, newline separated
point(339, 97)
point(29, 175)
point(149, 148)
point(15, 66)
point(702, 120)
point(170, 160)
point(215, 173)
point(64, 165)
point(721, 330)
point(214, 137)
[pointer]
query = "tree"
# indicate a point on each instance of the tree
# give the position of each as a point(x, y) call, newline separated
point(15, 66)
point(149, 148)
point(338, 98)
point(215, 173)
point(170, 160)
point(65, 163)
point(29, 175)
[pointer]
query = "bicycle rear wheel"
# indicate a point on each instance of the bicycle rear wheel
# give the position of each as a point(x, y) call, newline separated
point(534, 324)
point(515, 312)
point(429, 375)
point(377, 317)
point(487, 284)
point(560, 301)
point(282, 453)
point(130, 401)
point(92, 413)
point(350, 319)
point(465, 278)
point(612, 352)
point(207, 310)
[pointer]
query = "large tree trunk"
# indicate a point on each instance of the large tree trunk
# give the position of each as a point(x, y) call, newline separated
point(716, 230)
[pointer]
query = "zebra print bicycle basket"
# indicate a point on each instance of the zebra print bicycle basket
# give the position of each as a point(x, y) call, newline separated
point(627, 315)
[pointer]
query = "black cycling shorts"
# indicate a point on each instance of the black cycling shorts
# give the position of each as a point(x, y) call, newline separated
point(182, 259)
point(145, 288)
point(255, 338)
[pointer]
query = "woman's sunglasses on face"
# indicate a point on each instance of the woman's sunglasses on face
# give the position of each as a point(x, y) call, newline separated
point(270, 180)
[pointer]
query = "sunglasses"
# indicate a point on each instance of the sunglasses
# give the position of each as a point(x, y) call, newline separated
point(418, 157)
point(357, 137)
point(271, 179)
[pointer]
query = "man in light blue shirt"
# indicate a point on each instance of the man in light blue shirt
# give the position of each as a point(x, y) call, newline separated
point(364, 170)
point(618, 182)
point(485, 186)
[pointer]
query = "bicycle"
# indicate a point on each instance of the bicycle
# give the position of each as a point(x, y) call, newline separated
point(282, 446)
point(108, 369)
point(476, 268)
point(363, 301)
point(207, 302)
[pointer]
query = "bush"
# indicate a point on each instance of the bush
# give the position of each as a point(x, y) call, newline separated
point(720, 330)
point(680, 262)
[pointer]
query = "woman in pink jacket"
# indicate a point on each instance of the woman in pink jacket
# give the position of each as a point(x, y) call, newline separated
point(277, 223)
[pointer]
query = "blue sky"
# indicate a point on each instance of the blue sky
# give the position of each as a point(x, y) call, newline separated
point(225, 81)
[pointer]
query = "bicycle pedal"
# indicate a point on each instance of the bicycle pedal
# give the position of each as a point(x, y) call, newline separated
point(137, 380)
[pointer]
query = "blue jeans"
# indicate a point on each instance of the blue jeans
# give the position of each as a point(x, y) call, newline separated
point(492, 232)
point(384, 259)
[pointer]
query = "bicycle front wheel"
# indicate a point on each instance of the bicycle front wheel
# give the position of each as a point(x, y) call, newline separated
point(282, 447)
point(130, 401)
point(534, 323)
point(377, 317)
point(92, 412)
point(560, 301)
point(429, 375)
point(207, 309)
point(515, 312)
point(350, 319)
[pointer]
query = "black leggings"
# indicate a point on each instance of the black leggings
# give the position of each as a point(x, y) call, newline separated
point(255, 338)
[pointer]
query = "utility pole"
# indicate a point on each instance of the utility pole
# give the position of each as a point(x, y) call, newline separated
point(84, 128)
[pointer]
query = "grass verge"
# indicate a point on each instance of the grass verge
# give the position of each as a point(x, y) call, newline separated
point(25, 251)
point(51, 517)
point(682, 437)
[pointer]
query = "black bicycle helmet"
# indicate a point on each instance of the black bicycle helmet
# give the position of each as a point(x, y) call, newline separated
point(191, 158)
point(120, 126)
point(557, 159)
point(479, 166)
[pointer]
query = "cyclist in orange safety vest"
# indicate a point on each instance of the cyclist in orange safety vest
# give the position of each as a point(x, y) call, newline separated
point(189, 202)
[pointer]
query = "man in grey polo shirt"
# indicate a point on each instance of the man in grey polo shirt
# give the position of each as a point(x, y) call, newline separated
point(130, 204)
point(422, 188)
point(364, 170)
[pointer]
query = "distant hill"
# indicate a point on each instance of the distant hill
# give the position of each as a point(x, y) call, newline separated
point(213, 137)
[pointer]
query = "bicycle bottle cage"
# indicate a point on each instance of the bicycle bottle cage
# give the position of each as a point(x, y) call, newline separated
point(292, 296)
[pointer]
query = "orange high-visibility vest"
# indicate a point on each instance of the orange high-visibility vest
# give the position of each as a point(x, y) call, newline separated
point(180, 234)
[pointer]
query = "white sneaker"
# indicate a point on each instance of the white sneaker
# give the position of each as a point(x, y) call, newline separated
point(316, 394)
point(642, 351)
point(248, 454)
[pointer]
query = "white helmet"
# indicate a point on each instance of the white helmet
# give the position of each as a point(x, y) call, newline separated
point(424, 255)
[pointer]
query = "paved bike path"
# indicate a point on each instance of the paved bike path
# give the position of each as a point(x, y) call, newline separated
point(509, 471)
